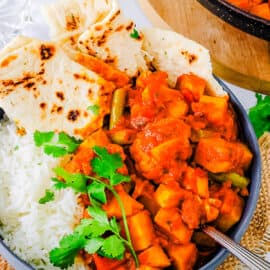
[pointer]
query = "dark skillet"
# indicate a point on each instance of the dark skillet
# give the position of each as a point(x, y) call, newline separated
point(245, 21)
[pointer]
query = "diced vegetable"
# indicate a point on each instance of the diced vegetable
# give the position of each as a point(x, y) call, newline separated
point(192, 212)
point(141, 230)
point(218, 155)
point(131, 206)
point(231, 209)
point(196, 180)
point(184, 256)
point(213, 108)
point(169, 195)
point(102, 263)
point(170, 220)
point(155, 257)
point(194, 84)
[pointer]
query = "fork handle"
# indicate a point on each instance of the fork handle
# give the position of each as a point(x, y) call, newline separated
point(250, 259)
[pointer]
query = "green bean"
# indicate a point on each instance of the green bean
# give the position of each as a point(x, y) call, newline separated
point(236, 179)
point(118, 105)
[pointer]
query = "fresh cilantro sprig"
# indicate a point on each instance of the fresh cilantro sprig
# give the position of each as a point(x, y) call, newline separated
point(76, 181)
point(89, 235)
point(56, 145)
point(259, 115)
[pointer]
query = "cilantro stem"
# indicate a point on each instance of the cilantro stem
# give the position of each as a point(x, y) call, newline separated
point(117, 197)
point(123, 211)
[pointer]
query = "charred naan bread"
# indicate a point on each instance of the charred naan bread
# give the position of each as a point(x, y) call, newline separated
point(41, 88)
point(111, 40)
point(106, 35)
point(69, 18)
point(175, 54)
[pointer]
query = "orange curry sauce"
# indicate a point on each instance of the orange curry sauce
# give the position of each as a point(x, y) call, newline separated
point(172, 138)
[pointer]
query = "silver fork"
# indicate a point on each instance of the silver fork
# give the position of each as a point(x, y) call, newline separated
point(250, 259)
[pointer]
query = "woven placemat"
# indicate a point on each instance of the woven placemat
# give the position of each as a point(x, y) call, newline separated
point(257, 237)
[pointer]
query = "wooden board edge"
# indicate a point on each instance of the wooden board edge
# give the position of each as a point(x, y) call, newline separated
point(219, 69)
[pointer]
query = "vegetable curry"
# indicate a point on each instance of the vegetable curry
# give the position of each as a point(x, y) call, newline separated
point(168, 161)
point(260, 8)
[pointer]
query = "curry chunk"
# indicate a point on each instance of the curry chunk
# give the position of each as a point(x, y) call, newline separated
point(191, 86)
point(170, 220)
point(154, 257)
point(231, 208)
point(169, 195)
point(160, 147)
point(217, 155)
point(184, 256)
point(141, 230)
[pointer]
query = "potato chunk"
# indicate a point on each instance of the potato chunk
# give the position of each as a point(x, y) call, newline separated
point(217, 155)
point(141, 230)
point(170, 220)
point(155, 257)
point(184, 256)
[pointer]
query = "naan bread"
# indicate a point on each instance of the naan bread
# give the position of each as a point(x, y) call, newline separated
point(69, 18)
point(97, 28)
point(175, 54)
point(42, 89)
point(111, 41)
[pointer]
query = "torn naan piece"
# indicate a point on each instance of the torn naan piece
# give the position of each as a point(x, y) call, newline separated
point(175, 54)
point(41, 88)
point(69, 18)
point(97, 28)
point(113, 41)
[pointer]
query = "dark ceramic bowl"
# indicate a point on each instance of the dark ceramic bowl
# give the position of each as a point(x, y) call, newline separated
point(248, 136)
point(237, 17)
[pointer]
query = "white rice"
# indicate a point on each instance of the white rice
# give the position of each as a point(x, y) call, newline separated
point(30, 229)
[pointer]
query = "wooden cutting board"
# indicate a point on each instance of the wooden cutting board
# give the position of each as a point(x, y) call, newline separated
point(237, 57)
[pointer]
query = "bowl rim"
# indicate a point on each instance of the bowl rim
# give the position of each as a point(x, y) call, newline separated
point(239, 18)
point(250, 206)
point(239, 229)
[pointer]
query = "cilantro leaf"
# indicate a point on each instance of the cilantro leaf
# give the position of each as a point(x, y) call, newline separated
point(118, 178)
point(71, 143)
point(259, 115)
point(113, 247)
point(98, 214)
point(91, 228)
point(106, 164)
point(54, 150)
point(93, 245)
point(84, 228)
point(56, 147)
point(42, 137)
point(96, 191)
point(64, 255)
point(135, 34)
point(59, 184)
point(94, 109)
point(74, 180)
point(49, 196)
point(114, 225)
